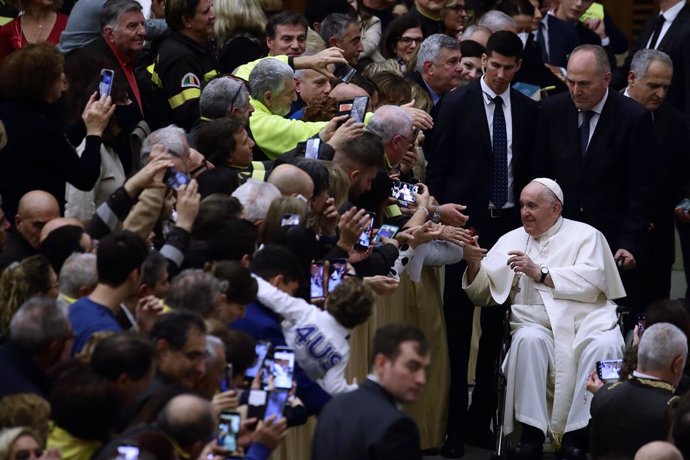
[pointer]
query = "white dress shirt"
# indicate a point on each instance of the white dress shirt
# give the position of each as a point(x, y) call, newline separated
point(669, 15)
point(595, 118)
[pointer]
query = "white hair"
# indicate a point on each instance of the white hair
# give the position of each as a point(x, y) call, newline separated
point(495, 20)
point(268, 75)
point(644, 58)
point(256, 197)
point(171, 137)
point(660, 344)
point(79, 270)
point(430, 49)
point(389, 120)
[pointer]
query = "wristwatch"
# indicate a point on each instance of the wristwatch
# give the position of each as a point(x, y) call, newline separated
point(544, 274)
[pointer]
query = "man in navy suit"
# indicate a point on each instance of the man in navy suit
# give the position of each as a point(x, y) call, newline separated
point(484, 135)
point(368, 424)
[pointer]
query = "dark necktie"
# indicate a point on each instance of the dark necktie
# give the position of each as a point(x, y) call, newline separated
point(541, 41)
point(660, 20)
point(499, 176)
point(584, 131)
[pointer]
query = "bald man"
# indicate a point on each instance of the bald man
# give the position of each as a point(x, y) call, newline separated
point(658, 450)
point(56, 223)
point(345, 91)
point(35, 209)
point(292, 181)
point(189, 421)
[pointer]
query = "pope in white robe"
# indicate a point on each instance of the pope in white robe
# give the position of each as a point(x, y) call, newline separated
point(561, 278)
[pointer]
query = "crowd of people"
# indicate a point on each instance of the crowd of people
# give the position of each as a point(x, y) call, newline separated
point(191, 198)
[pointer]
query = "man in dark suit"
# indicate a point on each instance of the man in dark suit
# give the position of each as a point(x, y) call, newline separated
point(669, 31)
point(649, 79)
point(480, 158)
point(367, 424)
point(599, 146)
point(627, 415)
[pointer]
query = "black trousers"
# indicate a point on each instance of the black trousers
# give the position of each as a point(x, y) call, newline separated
point(458, 311)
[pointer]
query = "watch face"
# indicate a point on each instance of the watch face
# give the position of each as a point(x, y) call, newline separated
point(545, 270)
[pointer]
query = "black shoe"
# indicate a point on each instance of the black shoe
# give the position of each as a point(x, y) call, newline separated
point(571, 452)
point(525, 451)
point(453, 446)
point(481, 438)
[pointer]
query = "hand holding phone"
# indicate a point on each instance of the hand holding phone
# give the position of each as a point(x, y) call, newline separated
point(228, 430)
point(106, 84)
point(386, 231)
point(609, 369)
point(364, 240)
point(175, 179)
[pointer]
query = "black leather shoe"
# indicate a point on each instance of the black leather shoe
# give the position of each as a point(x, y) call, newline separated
point(481, 438)
point(570, 452)
point(525, 451)
point(453, 446)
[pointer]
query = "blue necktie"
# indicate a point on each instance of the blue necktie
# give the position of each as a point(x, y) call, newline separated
point(584, 131)
point(499, 176)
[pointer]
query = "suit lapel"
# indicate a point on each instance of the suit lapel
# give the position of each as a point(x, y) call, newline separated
point(677, 26)
point(477, 99)
point(603, 125)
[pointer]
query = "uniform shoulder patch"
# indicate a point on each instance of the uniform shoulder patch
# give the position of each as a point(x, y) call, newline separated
point(190, 81)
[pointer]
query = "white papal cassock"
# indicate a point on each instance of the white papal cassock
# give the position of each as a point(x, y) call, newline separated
point(558, 334)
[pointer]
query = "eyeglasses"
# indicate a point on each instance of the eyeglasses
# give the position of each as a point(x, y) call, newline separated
point(201, 167)
point(26, 454)
point(408, 40)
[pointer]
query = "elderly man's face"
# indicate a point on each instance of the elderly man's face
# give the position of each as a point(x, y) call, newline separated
point(651, 90)
point(129, 34)
point(313, 85)
point(290, 39)
point(446, 73)
point(537, 211)
point(30, 222)
point(587, 84)
point(351, 44)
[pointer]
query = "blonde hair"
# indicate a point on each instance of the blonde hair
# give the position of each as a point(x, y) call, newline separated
point(338, 184)
point(26, 410)
point(278, 208)
point(422, 100)
point(10, 435)
point(238, 15)
point(375, 68)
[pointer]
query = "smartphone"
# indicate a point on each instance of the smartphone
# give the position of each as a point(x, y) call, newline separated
point(175, 179)
point(226, 381)
point(266, 372)
point(336, 272)
point(289, 219)
point(317, 290)
point(312, 149)
point(344, 72)
point(684, 205)
point(261, 349)
point(359, 108)
point(609, 369)
point(365, 238)
point(283, 368)
point(106, 83)
point(127, 452)
point(256, 404)
point(641, 322)
point(276, 403)
point(404, 192)
point(387, 231)
point(228, 430)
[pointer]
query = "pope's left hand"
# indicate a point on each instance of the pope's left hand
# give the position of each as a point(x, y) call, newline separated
point(520, 262)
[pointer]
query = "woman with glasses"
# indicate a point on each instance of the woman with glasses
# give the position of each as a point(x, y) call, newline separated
point(454, 16)
point(22, 443)
point(401, 40)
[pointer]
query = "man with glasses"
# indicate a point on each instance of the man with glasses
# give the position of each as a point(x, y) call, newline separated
point(480, 157)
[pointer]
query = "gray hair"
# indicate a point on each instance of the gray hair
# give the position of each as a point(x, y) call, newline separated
point(79, 270)
point(430, 49)
point(113, 9)
point(269, 75)
point(600, 57)
point(171, 137)
point(194, 290)
point(335, 25)
point(660, 344)
point(221, 95)
point(37, 323)
point(495, 20)
point(389, 120)
point(469, 30)
point(256, 197)
point(213, 343)
point(644, 58)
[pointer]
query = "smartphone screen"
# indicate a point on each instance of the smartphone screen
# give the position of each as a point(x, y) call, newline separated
point(226, 381)
point(609, 369)
point(175, 179)
point(387, 231)
point(262, 347)
point(228, 429)
point(684, 205)
point(256, 404)
point(641, 323)
point(312, 149)
point(364, 239)
point(283, 367)
point(404, 192)
point(289, 219)
point(276, 403)
point(127, 453)
point(359, 108)
point(106, 83)
point(316, 281)
point(344, 72)
point(336, 272)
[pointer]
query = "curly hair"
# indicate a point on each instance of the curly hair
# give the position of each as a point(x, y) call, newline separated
point(18, 283)
point(30, 73)
point(351, 303)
